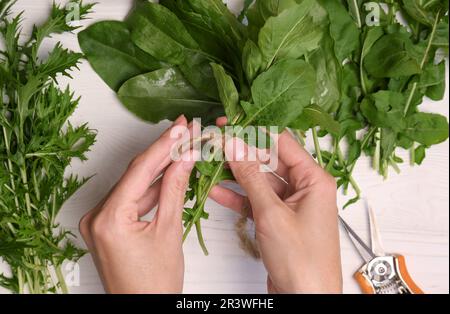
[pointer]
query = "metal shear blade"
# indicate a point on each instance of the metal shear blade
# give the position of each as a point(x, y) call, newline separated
point(363, 249)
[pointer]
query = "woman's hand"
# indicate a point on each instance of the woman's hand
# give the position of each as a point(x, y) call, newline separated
point(296, 224)
point(134, 256)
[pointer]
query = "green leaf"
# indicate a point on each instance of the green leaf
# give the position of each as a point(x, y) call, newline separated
point(388, 141)
point(108, 47)
point(227, 91)
point(313, 116)
point(218, 19)
point(261, 10)
point(354, 152)
point(385, 109)
point(391, 56)
point(441, 36)
point(354, 8)
point(343, 29)
point(165, 94)
point(427, 128)
point(419, 154)
point(251, 60)
point(269, 8)
point(424, 11)
point(372, 35)
point(208, 168)
point(433, 81)
point(197, 70)
point(281, 93)
point(329, 76)
point(199, 27)
point(157, 31)
point(290, 35)
point(59, 62)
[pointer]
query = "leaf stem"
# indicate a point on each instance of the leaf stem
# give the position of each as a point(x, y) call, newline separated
point(317, 147)
point(412, 155)
point(300, 137)
point(422, 63)
point(357, 13)
point(351, 180)
point(198, 228)
point(201, 203)
point(62, 281)
point(377, 154)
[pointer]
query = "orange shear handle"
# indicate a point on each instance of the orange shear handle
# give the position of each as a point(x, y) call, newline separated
point(364, 284)
point(403, 271)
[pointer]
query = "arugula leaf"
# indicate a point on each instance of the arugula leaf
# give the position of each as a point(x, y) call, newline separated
point(108, 47)
point(343, 29)
point(424, 11)
point(290, 35)
point(313, 116)
point(281, 93)
point(227, 91)
point(433, 81)
point(385, 109)
point(391, 56)
point(441, 37)
point(329, 76)
point(419, 154)
point(164, 94)
point(251, 60)
point(427, 128)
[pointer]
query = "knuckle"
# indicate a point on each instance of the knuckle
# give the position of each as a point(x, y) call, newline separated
point(99, 227)
point(179, 185)
point(247, 172)
point(325, 181)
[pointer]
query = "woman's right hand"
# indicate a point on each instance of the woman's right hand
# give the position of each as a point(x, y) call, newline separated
point(296, 224)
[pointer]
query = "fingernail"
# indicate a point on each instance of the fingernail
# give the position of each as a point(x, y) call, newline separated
point(179, 120)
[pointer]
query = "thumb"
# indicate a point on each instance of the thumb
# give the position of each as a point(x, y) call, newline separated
point(173, 189)
point(247, 171)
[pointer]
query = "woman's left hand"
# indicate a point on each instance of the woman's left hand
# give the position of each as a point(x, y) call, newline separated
point(134, 256)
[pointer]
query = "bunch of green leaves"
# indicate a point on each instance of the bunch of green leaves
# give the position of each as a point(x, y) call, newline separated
point(331, 67)
point(36, 147)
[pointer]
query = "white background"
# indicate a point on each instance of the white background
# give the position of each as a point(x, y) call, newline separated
point(412, 208)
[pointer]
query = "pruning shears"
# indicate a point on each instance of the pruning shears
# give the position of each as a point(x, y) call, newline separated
point(381, 273)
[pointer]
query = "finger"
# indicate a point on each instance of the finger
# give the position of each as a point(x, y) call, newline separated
point(227, 198)
point(173, 190)
point(150, 199)
point(247, 172)
point(221, 121)
point(291, 153)
point(147, 166)
point(299, 162)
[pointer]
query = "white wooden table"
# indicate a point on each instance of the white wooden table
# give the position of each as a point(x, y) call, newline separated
point(412, 207)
